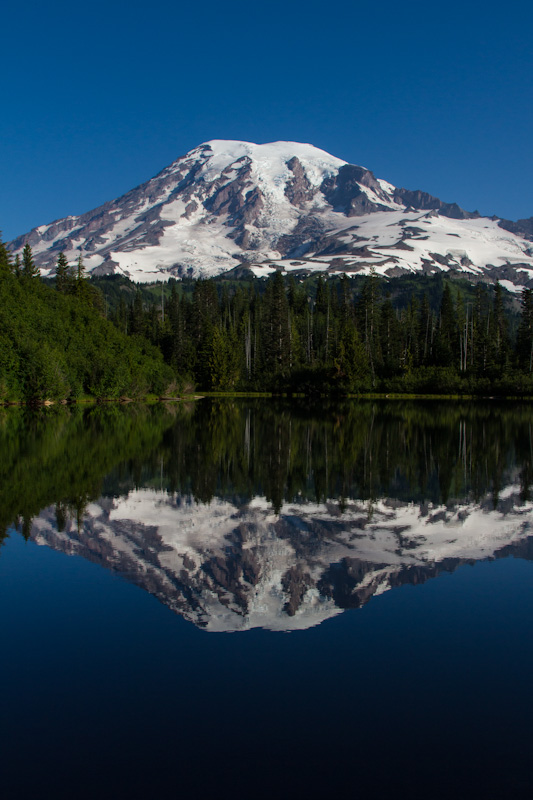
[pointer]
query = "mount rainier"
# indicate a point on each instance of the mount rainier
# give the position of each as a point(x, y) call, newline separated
point(284, 205)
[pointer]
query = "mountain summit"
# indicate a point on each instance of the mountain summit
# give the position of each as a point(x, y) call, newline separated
point(282, 205)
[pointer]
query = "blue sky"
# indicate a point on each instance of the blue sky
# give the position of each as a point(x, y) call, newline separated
point(97, 98)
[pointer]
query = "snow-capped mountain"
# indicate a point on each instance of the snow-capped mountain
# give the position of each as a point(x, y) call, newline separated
point(229, 568)
point(283, 205)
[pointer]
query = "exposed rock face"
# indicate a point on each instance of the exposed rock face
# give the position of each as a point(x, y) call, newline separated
point(299, 189)
point(226, 204)
point(227, 568)
point(522, 227)
point(345, 191)
point(424, 201)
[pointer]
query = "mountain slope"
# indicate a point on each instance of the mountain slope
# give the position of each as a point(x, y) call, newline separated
point(281, 205)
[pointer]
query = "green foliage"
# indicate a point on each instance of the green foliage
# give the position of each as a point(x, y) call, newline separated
point(319, 335)
point(335, 336)
point(64, 275)
point(29, 268)
point(6, 265)
point(57, 346)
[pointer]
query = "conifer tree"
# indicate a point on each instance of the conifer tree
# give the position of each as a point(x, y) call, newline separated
point(390, 338)
point(276, 326)
point(425, 331)
point(6, 265)
point(137, 320)
point(446, 339)
point(29, 268)
point(368, 315)
point(524, 339)
point(81, 278)
point(63, 274)
point(500, 345)
point(481, 315)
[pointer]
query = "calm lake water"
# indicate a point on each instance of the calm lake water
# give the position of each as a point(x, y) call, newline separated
point(250, 598)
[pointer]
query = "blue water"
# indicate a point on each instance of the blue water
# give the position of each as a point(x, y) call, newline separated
point(422, 691)
point(425, 691)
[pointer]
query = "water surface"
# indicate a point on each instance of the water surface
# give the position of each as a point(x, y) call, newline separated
point(392, 541)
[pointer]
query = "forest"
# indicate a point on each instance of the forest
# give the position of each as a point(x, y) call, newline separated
point(318, 335)
point(55, 343)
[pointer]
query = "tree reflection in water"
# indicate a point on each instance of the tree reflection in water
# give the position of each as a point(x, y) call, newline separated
point(243, 513)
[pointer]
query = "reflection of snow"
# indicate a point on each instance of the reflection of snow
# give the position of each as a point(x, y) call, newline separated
point(231, 568)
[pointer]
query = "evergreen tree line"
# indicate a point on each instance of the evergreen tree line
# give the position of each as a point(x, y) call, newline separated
point(278, 335)
point(284, 337)
point(56, 344)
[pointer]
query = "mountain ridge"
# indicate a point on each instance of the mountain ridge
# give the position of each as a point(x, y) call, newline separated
point(282, 205)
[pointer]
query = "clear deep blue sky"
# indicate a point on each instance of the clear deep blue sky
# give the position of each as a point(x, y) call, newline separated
point(97, 98)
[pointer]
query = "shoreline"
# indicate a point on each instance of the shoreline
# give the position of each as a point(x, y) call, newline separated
point(153, 400)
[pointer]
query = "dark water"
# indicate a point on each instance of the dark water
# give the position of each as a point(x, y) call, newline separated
point(267, 599)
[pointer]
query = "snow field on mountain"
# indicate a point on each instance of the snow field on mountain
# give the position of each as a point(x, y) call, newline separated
point(270, 160)
point(193, 196)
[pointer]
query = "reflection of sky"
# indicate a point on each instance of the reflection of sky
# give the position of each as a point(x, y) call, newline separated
point(227, 568)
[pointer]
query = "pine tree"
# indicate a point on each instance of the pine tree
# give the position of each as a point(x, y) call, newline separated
point(524, 339)
point(346, 304)
point(6, 265)
point(63, 274)
point(29, 268)
point(499, 350)
point(121, 315)
point(320, 321)
point(480, 329)
point(425, 331)
point(137, 317)
point(81, 278)
point(390, 338)
point(446, 339)
point(351, 361)
point(276, 327)
point(368, 315)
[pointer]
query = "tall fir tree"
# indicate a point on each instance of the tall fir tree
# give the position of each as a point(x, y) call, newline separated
point(499, 351)
point(29, 268)
point(524, 338)
point(64, 279)
point(276, 327)
point(6, 264)
point(446, 338)
point(81, 278)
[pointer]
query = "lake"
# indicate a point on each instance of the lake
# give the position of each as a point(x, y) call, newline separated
point(267, 598)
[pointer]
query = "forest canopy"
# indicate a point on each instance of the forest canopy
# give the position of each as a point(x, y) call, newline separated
point(107, 337)
point(58, 345)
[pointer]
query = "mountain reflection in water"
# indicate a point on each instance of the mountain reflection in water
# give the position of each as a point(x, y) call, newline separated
point(241, 514)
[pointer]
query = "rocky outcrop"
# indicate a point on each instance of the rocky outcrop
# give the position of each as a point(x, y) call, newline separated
point(344, 191)
point(299, 189)
point(522, 227)
point(425, 202)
